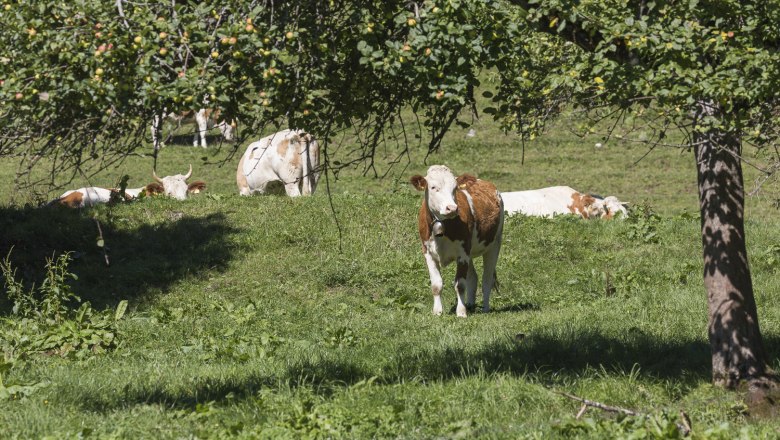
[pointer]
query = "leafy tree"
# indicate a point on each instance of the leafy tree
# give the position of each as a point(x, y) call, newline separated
point(79, 82)
point(710, 68)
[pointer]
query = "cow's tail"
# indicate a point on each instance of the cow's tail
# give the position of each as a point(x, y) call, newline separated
point(310, 164)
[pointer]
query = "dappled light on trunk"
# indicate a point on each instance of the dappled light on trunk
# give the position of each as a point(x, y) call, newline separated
point(737, 347)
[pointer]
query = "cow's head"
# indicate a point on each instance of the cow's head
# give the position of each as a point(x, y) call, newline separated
point(175, 186)
point(612, 206)
point(439, 186)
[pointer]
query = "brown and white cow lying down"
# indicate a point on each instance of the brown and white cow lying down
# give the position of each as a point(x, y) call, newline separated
point(291, 157)
point(204, 119)
point(174, 186)
point(558, 200)
point(459, 219)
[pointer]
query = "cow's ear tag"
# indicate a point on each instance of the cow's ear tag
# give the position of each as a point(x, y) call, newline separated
point(461, 186)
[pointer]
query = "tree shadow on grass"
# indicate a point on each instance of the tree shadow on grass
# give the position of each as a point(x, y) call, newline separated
point(143, 260)
point(549, 359)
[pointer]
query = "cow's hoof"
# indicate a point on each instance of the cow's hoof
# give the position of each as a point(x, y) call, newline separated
point(437, 311)
point(461, 312)
point(486, 309)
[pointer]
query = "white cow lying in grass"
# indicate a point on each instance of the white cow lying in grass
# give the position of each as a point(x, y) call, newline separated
point(291, 157)
point(175, 186)
point(558, 200)
point(204, 119)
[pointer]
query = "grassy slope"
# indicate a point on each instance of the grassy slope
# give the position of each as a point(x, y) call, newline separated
point(246, 319)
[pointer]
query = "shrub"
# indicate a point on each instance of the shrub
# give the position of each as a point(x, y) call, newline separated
point(51, 318)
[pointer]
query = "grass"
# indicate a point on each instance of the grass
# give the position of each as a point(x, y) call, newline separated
point(246, 320)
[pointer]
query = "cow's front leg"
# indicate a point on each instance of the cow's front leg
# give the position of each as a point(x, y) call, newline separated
point(461, 282)
point(436, 282)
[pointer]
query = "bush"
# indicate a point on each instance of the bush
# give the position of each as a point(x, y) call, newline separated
point(51, 318)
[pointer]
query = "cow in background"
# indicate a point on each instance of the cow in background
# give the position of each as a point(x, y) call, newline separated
point(204, 120)
point(559, 200)
point(459, 219)
point(291, 157)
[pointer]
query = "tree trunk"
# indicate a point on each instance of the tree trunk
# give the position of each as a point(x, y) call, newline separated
point(735, 339)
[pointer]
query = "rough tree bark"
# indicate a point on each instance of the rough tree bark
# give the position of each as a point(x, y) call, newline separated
point(737, 347)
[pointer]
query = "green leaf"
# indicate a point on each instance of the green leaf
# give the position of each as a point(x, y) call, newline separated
point(120, 310)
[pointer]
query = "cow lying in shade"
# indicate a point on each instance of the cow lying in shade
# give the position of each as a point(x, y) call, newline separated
point(88, 196)
point(204, 120)
point(459, 219)
point(291, 157)
point(173, 186)
point(559, 200)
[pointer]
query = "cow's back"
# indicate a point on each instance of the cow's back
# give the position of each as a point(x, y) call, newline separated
point(544, 202)
point(483, 199)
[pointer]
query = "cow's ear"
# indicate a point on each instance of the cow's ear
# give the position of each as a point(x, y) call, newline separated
point(418, 182)
point(196, 186)
point(465, 180)
point(154, 188)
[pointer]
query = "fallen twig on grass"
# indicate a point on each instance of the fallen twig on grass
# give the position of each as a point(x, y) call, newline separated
point(101, 242)
point(684, 426)
point(601, 406)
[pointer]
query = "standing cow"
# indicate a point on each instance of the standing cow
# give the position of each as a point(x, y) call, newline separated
point(291, 157)
point(204, 119)
point(459, 219)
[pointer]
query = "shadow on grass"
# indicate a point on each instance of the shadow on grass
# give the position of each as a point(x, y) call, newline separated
point(144, 259)
point(548, 359)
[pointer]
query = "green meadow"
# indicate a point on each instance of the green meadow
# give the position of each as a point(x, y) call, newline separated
point(271, 317)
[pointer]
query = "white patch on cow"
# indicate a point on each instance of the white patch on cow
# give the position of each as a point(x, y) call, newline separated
point(297, 170)
point(91, 195)
point(544, 202)
point(436, 282)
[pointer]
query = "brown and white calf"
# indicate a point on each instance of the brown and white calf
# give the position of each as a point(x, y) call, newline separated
point(559, 200)
point(459, 219)
point(291, 157)
point(204, 119)
point(175, 186)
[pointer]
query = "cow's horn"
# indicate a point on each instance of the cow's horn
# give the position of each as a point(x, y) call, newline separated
point(189, 173)
point(154, 174)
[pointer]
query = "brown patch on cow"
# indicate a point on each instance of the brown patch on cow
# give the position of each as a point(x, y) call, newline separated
point(72, 200)
point(487, 209)
point(418, 182)
point(153, 189)
point(282, 147)
point(580, 203)
point(196, 186)
point(608, 214)
point(240, 177)
point(486, 218)
point(298, 149)
point(211, 114)
point(464, 181)
point(424, 221)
